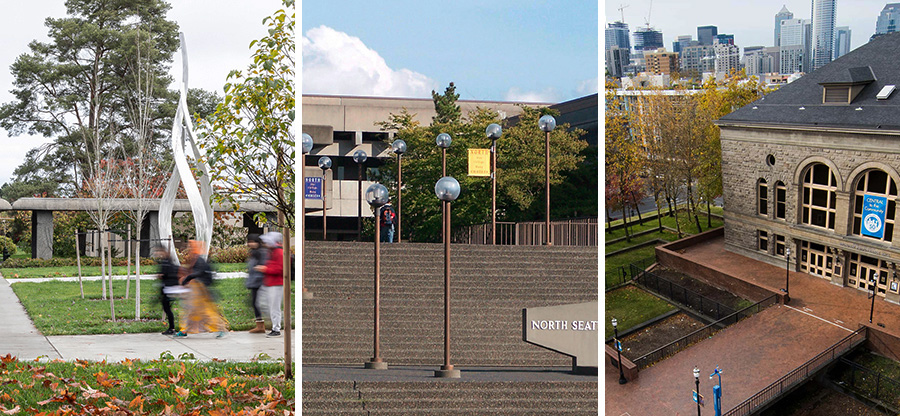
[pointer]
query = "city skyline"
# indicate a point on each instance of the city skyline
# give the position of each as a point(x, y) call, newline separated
point(752, 24)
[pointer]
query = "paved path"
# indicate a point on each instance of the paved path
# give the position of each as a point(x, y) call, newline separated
point(755, 352)
point(219, 275)
point(21, 339)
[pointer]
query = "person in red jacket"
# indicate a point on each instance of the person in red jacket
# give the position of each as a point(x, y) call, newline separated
point(272, 291)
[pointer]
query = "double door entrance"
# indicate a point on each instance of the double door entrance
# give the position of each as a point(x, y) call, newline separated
point(868, 273)
point(815, 259)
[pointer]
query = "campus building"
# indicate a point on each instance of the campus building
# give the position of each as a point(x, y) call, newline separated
point(813, 168)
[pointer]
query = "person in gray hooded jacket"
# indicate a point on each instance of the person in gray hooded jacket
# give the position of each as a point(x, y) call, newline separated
point(258, 256)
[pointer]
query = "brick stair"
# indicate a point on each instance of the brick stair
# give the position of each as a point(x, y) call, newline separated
point(489, 287)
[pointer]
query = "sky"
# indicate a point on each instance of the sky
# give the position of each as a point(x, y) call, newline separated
point(516, 50)
point(751, 22)
point(217, 32)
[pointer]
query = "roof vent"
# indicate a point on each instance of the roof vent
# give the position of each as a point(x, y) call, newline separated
point(886, 92)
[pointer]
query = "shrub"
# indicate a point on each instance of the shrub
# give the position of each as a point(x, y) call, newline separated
point(233, 254)
point(17, 263)
point(7, 245)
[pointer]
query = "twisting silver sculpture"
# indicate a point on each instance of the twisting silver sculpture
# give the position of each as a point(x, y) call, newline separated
point(199, 197)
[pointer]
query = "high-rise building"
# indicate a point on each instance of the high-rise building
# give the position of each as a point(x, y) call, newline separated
point(661, 62)
point(647, 39)
point(757, 61)
point(728, 58)
point(795, 46)
point(617, 35)
point(841, 41)
point(705, 34)
point(723, 38)
point(617, 61)
point(694, 60)
point(888, 20)
point(682, 42)
point(823, 14)
point(782, 15)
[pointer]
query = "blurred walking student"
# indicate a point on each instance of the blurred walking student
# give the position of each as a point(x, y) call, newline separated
point(201, 314)
point(272, 292)
point(388, 216)
point(169, 288)
point(258, 256)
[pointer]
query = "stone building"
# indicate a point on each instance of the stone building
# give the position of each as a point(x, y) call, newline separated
point(813, 167)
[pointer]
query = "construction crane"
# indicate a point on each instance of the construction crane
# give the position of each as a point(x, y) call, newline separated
point(649, 10)
point(622, 12)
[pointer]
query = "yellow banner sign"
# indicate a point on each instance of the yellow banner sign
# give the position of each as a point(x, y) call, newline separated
point(479, 162)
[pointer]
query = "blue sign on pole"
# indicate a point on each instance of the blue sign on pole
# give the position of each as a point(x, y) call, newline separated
point(717, 400)
point(619, 345)
point(873, 211)
point(313, 188)
point(698, 397)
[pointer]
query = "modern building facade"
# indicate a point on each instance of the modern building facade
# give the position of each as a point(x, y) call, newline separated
point(694, 60)
point(617, 61)
point(661, 62)
point(724, 38)
point(706, 34)
point(617, 35)
point(757, 62)
point(795, 50)
point(823, 16)
point(810, 172)
point(728, 58)
point(841, 41)
point(647, 38)
point(888, 19)
point(784, 14)
point(682, 42)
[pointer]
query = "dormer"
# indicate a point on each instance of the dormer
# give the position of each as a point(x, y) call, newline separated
point(846, 86)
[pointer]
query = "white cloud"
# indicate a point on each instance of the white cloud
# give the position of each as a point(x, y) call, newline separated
point(337, 63)
point(548, 95)
point(588, 86)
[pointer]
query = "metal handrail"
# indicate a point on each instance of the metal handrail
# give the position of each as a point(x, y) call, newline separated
point(570, 232)
point(714, 306)
point(799, 374)
point(673, 347)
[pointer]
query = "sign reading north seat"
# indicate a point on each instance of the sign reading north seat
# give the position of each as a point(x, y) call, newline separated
point(873, 211)
point(313, 188)
point(479, 162)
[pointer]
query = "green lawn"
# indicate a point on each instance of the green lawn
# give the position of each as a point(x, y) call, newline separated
point(632, 306)
point(162, 386)
point(715, 210)
point(57, 308)
point(615, 263)
point(72, 271)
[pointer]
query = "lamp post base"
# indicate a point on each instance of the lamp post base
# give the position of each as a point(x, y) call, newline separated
point(447, 371)
point(376, 364)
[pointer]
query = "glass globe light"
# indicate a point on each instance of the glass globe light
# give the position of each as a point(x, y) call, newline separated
point(447, 189)
point(547, 123)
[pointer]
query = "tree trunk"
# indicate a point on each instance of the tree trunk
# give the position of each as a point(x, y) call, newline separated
point(637, 208)
point(78, 259)
point(677, 224)
point(708, 215)
point(658, 212)
point(608, 221)
point(625, 223)
point(128, 263)
point(102, 265)
point(112, 298)
point(137, 283)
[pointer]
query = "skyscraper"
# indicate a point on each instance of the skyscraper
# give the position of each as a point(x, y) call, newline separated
point(682, 42)
point(888, 19)
point(705, 34)
point(728, 58)
point(723, 38)
point(617, 35)
point(647, 38)
point(841, 41)
point(822, 32)
point(782, 15)
point(795, 46)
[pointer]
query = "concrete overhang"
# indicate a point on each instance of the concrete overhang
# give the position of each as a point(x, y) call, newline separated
point(120, 204)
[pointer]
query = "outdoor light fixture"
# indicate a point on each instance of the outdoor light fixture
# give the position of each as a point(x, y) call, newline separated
point(443, 141)
point(618, 346)
point(697, 381)
point(324, 164)
point(493, 132)
point(399, 147)
point(306, 145)
point(359, 157)
point(547, 123)
point(377, 196)
point(872, 281)
point(787, 274)
point(447, 190)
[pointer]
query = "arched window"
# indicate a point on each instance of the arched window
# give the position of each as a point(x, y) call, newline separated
point(780, 200)
point(819, 198)
point(878, 184)
point(762, 197)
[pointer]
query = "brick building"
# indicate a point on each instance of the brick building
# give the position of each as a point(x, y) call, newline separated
point(813, 167)
point(661, 62)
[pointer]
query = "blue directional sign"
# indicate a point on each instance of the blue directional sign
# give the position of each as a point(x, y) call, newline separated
point(313, 188)
point(697, 396)
point(619, 345)
point(873, 215)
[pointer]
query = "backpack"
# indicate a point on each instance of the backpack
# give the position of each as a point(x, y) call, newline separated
point(387, 216)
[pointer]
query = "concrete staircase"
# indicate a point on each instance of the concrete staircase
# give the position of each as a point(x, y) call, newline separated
point(450, 398)
point(489, 288)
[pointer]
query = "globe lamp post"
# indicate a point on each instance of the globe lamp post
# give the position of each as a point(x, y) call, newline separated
point(547, 123)
point(359, 157)
point(377, 196)
point(324, 164)
point(616, 345)
point(493, 132)
point(447, 190)
point(305, 147)
point(697, 383)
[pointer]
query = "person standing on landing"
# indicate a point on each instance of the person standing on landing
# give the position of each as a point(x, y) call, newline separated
point(168, 279)
point(273, 283)
point(258, 256)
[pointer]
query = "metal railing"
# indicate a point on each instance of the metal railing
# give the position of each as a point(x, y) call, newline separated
point(793, 379)
point(674, 347)
point(571, 232)
point(625, 274)
point(869, 383)
point(680, 294)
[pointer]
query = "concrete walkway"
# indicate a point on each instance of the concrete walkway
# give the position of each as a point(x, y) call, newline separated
point(11, 280)
point(755, 352)
point(21, 339)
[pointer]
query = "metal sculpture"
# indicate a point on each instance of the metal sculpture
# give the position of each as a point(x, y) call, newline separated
point(199, 197)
